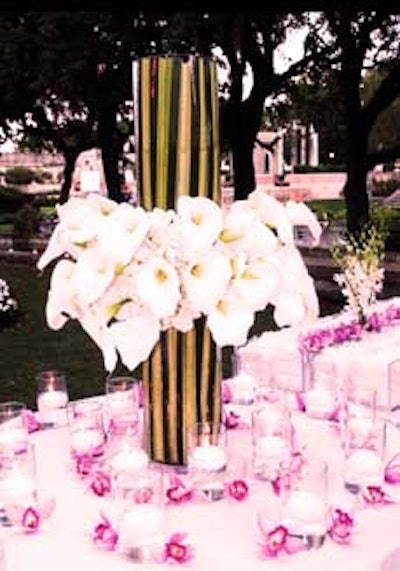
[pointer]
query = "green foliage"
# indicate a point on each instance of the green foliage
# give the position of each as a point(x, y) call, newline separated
point(384, 188)
point(19, 175)
point(11, 199)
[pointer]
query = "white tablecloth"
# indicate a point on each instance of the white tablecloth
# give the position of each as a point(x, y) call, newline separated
point(222, 533)
point(275, 358)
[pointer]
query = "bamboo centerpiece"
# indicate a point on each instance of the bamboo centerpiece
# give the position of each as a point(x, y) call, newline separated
point(177, 153)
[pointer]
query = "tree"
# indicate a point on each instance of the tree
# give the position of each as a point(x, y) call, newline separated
point(358, 38)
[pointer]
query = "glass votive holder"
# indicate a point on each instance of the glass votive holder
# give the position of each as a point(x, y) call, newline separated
point(305, 507)
point(207, 459)
point(272, 438)
point(52, 398)
point(125, 455)
point(18, 482)
point(122, 401)
point(140, 503)
point(321, 391)
point(86, 429)
point(13, 430)
point(364, 451)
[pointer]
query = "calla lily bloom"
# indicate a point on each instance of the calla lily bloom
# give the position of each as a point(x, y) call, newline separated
point(201, 223)
point(158, 286)
point(229, 323)
point(301, 215)
point(207, 279)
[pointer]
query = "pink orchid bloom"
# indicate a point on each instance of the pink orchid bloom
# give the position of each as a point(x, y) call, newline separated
point(374, 495)
point(280, 483)
point(100, 484)
point(392, 470)
point(342, 526)
point(275, 541)
point(238, 489)
point(84, 464)
point(176, 550)
point(143, 495)
point(105, 535)
point(231, 420)
point(226, 392)
point(278, 541)
point(30, 520)
point(31, 422)
point(178, 492)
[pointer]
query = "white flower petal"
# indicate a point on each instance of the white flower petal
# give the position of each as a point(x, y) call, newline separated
point(94, 273)
point(158, 286)
point(230, 323)
point(272, 213)
point(301, 215)
point(207, 280)
point(135, 338)
point(200, 223)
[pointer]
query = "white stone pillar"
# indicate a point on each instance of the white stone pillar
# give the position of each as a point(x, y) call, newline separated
point(303, 145)
point(313, 148)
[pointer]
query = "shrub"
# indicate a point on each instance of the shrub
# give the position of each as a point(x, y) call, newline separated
point(11, 199)
point(8, 305)
point(19, 175)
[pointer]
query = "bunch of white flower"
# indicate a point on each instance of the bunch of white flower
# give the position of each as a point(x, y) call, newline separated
point(8, 304)
point(362, 275)
point(127, 274)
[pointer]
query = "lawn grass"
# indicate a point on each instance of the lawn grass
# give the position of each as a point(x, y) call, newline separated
point(30, 346)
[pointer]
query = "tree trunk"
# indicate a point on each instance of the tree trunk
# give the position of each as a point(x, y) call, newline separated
point(70, 160)
point(355, 190)
point(110, 151)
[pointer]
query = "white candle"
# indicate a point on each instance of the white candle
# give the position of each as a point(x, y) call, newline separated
point(210, 458)
point(120, 403)
point(13, 439)
point(269, 416)
point(52, 407)
point(360, 427)
point(17, 488)
point(319, 402)
point(142, 524)
point(364, 467)
point(272, 447)
point(306, 512)
point(242, 387)
point(85, 440)
point(129, 460)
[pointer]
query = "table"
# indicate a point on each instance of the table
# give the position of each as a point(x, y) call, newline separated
point(275, 357)
point(222, 533)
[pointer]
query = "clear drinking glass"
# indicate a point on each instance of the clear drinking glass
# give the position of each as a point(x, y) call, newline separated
point(207, 459)
point(122, 402)
point(272, 436)
point(86, 429)
point(140, 505)
point(52, 398)
point(306, 503)
point(13, 429)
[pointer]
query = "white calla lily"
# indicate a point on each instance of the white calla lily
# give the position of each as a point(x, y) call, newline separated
point(94, 273)
point(238, 224)
point(95, 326)
point(257, 283)
point(289, 309)
point(301, 215)
point(122, 232)
point(201, 222)
point(61, 300)
point(272, 213)
point(229, 323)
point(207, 279)
point(158, 286)
point(135, 337)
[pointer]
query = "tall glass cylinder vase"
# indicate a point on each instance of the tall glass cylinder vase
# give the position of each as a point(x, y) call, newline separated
point(177, 153)
point(182, 387)
point(176, 129)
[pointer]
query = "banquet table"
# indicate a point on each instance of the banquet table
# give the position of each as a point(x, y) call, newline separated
point(275, 358)
point(222, 533)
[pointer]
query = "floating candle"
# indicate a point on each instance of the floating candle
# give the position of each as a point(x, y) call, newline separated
point(52, 407)
point(86, 441)
point(129, 460)
point(13, 439)
point(272, 448)
point(319, 402)
point(17, 488)
point(209, 458)
point(242, 388)
point(306, 512)
point(364, 467)
point(142, 524)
